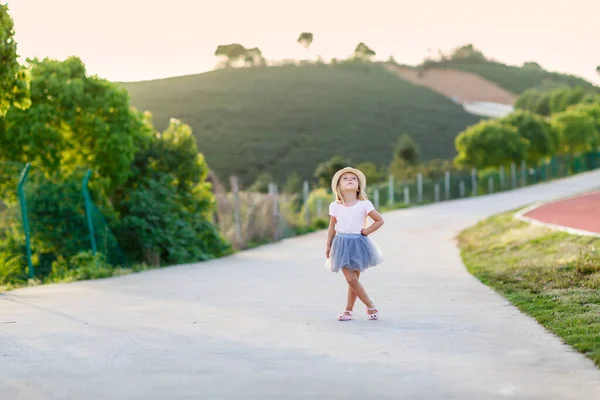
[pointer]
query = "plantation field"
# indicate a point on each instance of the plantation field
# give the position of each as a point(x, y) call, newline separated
point(290, 118)
point(517, 79)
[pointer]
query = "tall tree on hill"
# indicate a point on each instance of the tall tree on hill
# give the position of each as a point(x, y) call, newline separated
point(598, 69)
point(468, 52)
point(305, 39)
point(235, 54)
point(364, 52)
point(231, 53)
point(14, 79)
point(254, 57)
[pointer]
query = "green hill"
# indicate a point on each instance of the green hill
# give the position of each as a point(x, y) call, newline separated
point(519, 79)
point(512, 78)
point(286, 119)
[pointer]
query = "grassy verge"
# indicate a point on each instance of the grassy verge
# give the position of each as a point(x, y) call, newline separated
point(550, 275)
point(82, 267)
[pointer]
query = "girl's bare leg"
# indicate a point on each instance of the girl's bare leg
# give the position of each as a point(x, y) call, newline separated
point(357, 288)
point(351, 295)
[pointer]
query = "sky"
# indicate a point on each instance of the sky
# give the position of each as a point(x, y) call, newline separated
point(133, 40)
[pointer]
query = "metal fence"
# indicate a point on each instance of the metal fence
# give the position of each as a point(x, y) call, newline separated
point(255, 217)
point(43, 219)
point(452, 186)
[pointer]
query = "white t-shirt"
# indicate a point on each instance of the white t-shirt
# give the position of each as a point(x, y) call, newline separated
point(350, 219)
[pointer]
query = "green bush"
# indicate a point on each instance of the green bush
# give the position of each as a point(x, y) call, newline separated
point(490, 144)
point(81, 266)
point(57, 218)
point(168, 207)
point(12, 269)
point(319, 195)
point(576, 130)
point(543, 140)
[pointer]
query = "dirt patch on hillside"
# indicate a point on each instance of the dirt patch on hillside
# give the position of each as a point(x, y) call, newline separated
point(464, 86)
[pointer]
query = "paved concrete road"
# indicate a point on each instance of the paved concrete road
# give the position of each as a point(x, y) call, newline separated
point(261, 325)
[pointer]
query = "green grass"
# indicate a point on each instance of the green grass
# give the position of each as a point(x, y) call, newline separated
point(290, 118)
point(517, 79)
point(552, 276)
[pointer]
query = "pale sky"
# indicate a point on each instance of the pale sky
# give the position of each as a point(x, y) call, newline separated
point(130, 40)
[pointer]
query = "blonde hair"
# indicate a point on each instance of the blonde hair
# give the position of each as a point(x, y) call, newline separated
point(360, 193)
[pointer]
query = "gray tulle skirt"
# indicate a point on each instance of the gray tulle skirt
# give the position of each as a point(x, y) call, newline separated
point(356, 252)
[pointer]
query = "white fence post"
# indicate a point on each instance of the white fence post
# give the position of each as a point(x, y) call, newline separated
point(447, 184)
point(275, 198)
point(474, 181)
point(236, 209)
point(419, 187)
point(305, 196)
point(391, 190)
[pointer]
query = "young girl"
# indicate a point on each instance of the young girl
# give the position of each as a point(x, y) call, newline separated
point(348, 246)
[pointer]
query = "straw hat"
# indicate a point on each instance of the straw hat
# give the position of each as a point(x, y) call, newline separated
point(361, 178)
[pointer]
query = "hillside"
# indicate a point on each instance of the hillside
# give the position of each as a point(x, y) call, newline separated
point(512, 78)
point(285, 119)
point(466, 87)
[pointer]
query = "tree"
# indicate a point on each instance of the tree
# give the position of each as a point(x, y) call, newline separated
point(293, 184)
point(305, 39)
point(75, 120)
point(261, 184)
point(372, 173)
point(231, 53)
point(325, 170)
point(532, 65)
point(555, 98)
point(598, 69)
point(590, 109)
point(561, 99)
point(363, 52)
point(490, 144)
point(14, 79)
point(235, 54)
point(467, 52)
point(254, 57)
point(167, 207)
point(577, 131)
point(542, 140)
point(407, 149)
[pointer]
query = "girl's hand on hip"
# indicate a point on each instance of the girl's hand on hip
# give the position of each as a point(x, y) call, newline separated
point(364, 232)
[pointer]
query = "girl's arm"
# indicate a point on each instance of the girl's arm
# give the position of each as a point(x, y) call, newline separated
point(377, 222)
point(330, 234)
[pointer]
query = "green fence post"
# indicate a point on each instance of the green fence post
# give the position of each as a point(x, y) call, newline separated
point(21, 192)
point(88, 209)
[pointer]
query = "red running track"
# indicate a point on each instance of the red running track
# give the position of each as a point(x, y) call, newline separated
point(581, 212)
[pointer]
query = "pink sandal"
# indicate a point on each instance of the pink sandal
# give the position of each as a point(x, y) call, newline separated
point(345, 316)
point(375, 315)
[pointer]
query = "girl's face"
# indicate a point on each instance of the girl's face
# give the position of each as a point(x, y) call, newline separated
point(348, 182)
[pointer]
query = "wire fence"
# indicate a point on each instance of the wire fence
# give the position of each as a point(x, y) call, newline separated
point(44, 220)
point(48, 219)
point(248, 218)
